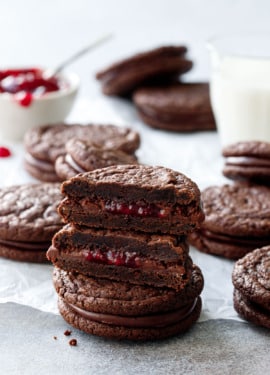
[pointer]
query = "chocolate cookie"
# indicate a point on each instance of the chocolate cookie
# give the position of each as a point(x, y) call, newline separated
point(248, 161)
point(123, 256)
point(135, 197)
point(123, 298)
point(251, 280)
point(237, 220)
point(160, 63)
point(178, 107)
point(45, 143)
point(126, 311)
point(28, 220)
point(83, 156)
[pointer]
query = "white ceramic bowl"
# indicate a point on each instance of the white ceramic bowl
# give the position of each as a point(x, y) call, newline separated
point(52, 107)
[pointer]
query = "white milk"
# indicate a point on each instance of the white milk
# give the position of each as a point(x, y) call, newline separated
point(240, 97)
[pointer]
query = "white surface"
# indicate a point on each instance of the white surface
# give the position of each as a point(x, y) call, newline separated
point(46, 33)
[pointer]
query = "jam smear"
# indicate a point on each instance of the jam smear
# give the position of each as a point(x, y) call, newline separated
point(113, 258)
point(134, 209)
point(4, 152)
point(27, 84)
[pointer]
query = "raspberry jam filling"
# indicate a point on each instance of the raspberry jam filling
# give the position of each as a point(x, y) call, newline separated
point(112, 257)
point(27, 84)
point(134, 209)
point(4, 152)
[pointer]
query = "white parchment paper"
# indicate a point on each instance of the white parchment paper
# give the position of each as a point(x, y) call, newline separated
point(197, 155)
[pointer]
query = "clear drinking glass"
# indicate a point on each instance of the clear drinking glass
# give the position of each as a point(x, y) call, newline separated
point(240, 86)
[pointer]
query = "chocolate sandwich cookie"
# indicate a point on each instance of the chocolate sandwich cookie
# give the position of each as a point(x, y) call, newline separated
point(248, 161)
point(251, 280)
point(177, 107)
point(133, 197)
point(28, 220)
point(126, 311)
point(83, 156)
point(121, 255)
point(237, 220)
point(165, 63)
point(45, 143)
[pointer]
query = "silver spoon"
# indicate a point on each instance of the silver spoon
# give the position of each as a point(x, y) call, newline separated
point(50, 73)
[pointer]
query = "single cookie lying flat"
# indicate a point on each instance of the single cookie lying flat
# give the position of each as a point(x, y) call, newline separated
point(84, 156)
point(28, 220)
point(138, 258)
point(178, 107)
point(237, 220)
point(133, 197)
point(248, 161)
point(160, 63)
point(127, 311)
point(251, 280)
point(45, 143)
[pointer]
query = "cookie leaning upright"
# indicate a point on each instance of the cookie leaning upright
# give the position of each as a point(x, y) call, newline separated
point(133, 197)
point(28, 220)
point(82, 155)
point(251, 280)
point(123, 77)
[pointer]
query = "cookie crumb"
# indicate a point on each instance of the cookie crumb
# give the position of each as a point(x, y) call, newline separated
point(67, 333)
point(73, 342)
point(55, 337)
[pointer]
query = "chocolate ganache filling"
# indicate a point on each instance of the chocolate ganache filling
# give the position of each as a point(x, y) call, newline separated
point(147, 321)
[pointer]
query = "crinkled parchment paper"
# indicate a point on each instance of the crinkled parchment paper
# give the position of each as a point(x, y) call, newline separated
point(197, 155)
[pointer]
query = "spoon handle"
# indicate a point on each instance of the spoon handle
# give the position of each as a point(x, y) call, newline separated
point(82, 52)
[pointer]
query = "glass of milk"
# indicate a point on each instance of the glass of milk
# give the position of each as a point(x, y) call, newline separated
point(240, 87)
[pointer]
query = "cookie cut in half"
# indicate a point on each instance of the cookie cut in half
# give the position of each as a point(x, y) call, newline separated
point(133, 197)
point(139, 258)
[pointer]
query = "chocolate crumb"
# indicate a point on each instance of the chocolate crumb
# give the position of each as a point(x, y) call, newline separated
point(73, 342)
point(55, 337)
point(67, 333)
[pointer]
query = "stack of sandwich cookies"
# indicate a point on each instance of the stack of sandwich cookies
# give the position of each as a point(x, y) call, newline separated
point(28, 220)
point(119, 276)
point(46, 143)
point(251, 280)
